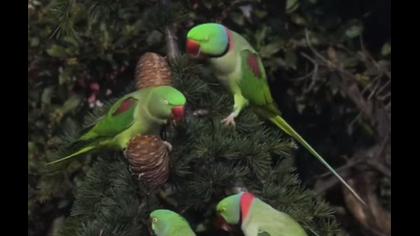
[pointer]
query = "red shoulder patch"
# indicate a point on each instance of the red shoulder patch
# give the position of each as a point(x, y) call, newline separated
point(125, 106)
point(246, 203)
point(253, 64)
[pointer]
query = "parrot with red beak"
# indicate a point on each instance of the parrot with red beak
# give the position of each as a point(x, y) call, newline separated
point(238, 66)
point(141, 112)
point(256, 218)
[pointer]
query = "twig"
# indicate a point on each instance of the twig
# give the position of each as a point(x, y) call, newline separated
point(374, 218)
point(233, 5)
point(365, 106)
point(384, 97)
point(344, 48)
point(373, 92)
point(314, 72)
point(302, 77)
point(383, 87)
point(371, 83)
point(325, 60)
point(362, 157)
point(380, 167)
point(354, 120)
point(171, 42)
point(368, 56)
point(171, 39)
point(388, 106)
point(322, 186)
point(314, 78)
point(308, 57)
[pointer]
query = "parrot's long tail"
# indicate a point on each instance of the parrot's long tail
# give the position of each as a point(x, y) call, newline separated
point(81, 151)
point(282, 124)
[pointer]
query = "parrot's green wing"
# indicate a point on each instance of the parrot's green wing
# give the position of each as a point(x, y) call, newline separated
point(253, 82)
point(276, 227)
point(119, 118)
point(267, 221)
point(263, 233)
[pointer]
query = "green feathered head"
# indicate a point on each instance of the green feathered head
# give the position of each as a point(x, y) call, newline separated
point(230, 209)
point(209, 39)
point(167, 102)
point(165, 223)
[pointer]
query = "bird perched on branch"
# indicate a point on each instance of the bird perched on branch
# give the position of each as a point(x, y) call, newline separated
point(238, 66)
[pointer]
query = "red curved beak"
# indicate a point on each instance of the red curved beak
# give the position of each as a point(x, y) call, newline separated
point(178, 113)
point(193, 48)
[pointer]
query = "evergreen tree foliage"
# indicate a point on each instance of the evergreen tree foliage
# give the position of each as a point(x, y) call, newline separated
point(208, 162)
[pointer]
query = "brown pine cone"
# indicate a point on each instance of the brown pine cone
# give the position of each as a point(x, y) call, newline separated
point(148, 157)
point(152, 70)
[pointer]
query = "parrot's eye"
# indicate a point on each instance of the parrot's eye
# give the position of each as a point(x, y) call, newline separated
point(154, 220)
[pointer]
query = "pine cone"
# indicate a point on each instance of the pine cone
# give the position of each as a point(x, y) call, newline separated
point(152, 70)
point(148, 156)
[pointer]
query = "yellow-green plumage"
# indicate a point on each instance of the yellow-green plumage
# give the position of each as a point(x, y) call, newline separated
point(256, 217)
point(169, 223)
point(141, 112)
point(265, 220)
point(240, 69)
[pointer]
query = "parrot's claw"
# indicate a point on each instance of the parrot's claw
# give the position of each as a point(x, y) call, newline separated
point(168, 145)
point(229, 120)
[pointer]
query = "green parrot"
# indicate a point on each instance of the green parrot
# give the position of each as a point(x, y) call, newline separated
point(238, 66)
point(168, 223)
point(144, 111)
point(255, 217)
